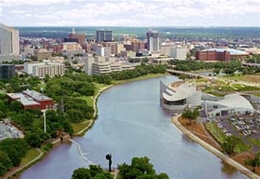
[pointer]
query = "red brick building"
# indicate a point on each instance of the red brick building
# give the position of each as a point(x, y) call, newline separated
point(31, 99)
point(212, 55)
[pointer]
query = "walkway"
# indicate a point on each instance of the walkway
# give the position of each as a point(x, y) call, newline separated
point(20, 168)
point(216, 152)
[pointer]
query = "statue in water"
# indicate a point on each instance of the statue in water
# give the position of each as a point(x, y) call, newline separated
point(109, 158)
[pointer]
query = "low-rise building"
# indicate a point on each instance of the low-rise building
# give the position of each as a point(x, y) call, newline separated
point(179, 95)
point(44, 68)
point(31, 99)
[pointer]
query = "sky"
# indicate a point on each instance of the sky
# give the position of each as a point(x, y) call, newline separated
point(147, 13)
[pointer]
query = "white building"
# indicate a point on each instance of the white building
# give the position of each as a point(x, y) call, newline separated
point(179, 95)
point(153, 41)
point(232, 104)
point(101, 65)
point(176, 52)
point(44, 68)
point(102, 51)
point(9, 41)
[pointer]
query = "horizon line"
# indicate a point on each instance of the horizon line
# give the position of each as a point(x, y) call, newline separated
point(136, 26)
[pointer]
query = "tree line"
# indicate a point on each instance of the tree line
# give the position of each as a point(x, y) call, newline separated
point(140, 168)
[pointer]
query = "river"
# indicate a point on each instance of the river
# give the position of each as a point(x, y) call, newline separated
point(132, 123)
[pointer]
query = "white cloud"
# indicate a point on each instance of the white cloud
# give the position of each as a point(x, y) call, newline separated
point(131, 12)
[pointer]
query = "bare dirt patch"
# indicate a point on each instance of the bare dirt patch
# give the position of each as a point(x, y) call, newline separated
point(198, 130)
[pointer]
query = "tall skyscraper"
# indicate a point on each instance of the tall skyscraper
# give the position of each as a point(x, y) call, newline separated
point(9, 40)
point(153, 42)
point(104, 36)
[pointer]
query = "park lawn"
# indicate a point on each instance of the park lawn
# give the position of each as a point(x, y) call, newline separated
point(88, 99)
point(80, 126)
point(247, 78)
point(30, 155)
point(216, 132)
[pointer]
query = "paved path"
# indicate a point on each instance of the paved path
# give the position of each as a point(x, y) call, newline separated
point(17, 169)
point(213, 150)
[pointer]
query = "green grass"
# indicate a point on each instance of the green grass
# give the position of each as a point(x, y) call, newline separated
point(255, 142)
point(241, 147)
point(80, 126)
point(30, 155)
point(88, 99)
point(215, 131)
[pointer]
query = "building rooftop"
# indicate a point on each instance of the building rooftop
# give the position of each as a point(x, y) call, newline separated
point(25, 100)
point(230, 50)
point(179, 92)
point(235, 101)
point(36, 95)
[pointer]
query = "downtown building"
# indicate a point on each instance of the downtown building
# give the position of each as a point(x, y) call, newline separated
point(153, 41)
point(44, 68)
point(9, 43)
point(104, 36)
point(76, 37)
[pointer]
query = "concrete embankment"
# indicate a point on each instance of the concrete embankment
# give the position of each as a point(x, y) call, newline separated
point(213, 150)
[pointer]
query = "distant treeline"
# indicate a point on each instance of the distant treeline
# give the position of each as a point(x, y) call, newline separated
point(140, 32)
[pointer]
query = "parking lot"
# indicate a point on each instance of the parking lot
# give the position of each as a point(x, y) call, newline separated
point(9, 131)
point(245, 127)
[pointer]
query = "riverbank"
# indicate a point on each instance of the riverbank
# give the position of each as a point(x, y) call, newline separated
point(14, 173)
point(213, 150)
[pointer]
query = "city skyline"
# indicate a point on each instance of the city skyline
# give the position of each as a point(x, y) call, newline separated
point(185, 13)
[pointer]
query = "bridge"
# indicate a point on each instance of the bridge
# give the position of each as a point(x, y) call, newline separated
point(194, 75)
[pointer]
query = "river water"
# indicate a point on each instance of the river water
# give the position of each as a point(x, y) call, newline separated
point(132, 123)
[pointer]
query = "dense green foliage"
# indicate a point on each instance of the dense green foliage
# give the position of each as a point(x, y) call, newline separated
point(129, 74)
point(228, 68)
point(140, 168)
point(253, 59)
point(11, 153)
point(93, 172)
point(192, 65)
point(230, 143)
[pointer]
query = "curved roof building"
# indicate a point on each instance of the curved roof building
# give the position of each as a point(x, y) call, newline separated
point(232, 104)
point(179, 95)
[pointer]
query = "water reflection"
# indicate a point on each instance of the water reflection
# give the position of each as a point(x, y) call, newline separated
point(131, 123)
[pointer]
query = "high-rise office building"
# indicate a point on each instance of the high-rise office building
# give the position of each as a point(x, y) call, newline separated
point(153, 42)
point(9, 40)
point(104, 36)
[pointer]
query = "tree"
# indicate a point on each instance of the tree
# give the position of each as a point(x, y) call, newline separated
point(81, 173)
point(94, 172)
point(5, 160)
point(16, 106)
point(190, 114)
point(3, 169)
point(253, 162)
point(140, 168)
point(230, 144)
point(33, 139)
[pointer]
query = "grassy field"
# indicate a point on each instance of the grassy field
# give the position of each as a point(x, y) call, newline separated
point(215, 131)
point(247, 78)
point(30, 155)
point(80, 126)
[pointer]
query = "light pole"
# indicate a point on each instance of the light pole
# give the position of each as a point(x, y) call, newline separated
point(44, 119)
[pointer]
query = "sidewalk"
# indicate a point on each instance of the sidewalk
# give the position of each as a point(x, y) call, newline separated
point(19, 168)
point(216, 152)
